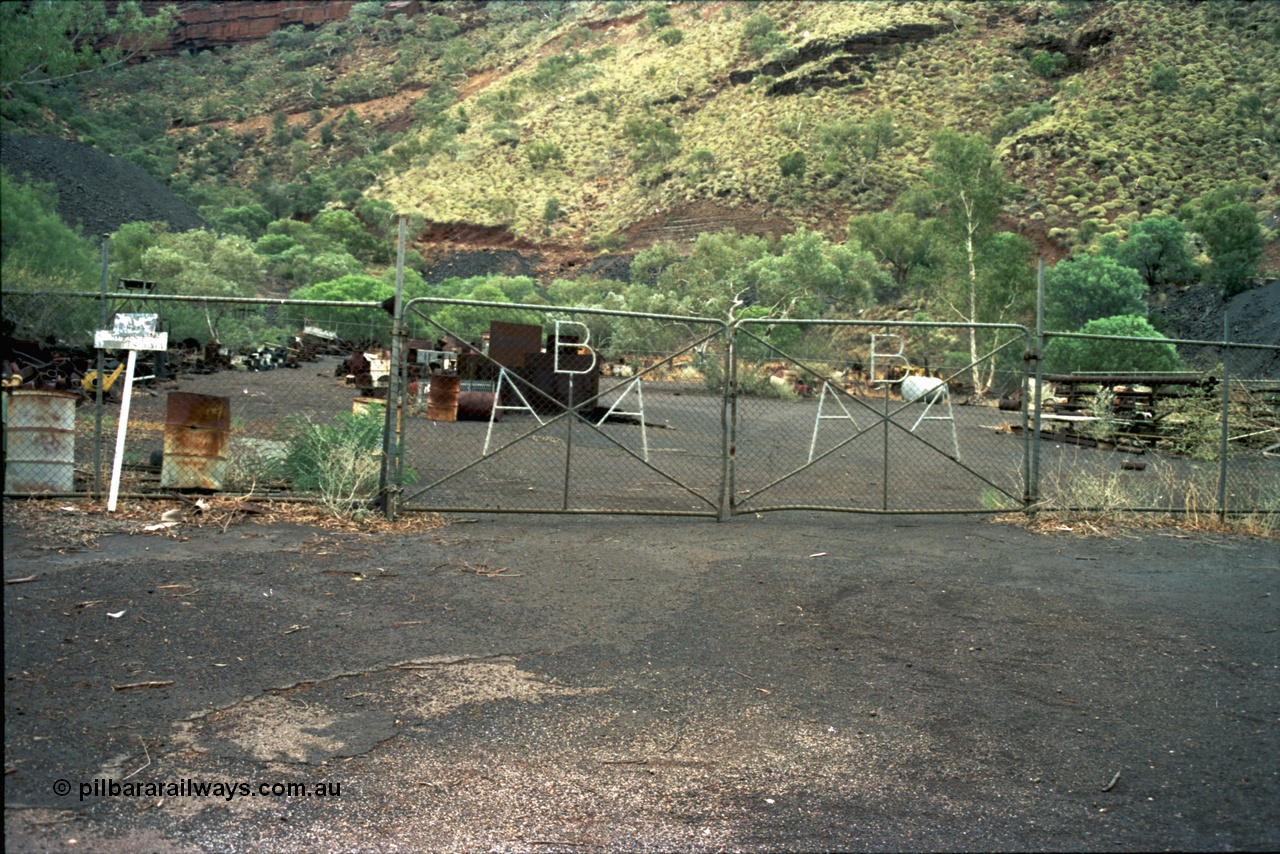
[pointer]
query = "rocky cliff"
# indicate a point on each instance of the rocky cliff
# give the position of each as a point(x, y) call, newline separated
point(203, 25)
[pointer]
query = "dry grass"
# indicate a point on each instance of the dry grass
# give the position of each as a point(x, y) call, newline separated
point(62, 525)
point(1096, 504)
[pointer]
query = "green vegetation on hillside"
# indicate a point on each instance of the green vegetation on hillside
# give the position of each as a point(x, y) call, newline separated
point(920, 154)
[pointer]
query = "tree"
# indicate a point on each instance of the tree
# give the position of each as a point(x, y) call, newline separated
point(1087, 355)
point(969, 187)
point(1232, 236)
point(38, 252)
point(200, 263)
point(900, 241)
point(1157, 249)
point(1086, 287)
point(859, 143)
point(45, 42)
point(707, 281)
point(1006, 293)
point(34, 238)
point(809, 272)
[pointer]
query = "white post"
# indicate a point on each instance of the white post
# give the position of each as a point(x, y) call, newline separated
point(132, 332)
point(120, 429)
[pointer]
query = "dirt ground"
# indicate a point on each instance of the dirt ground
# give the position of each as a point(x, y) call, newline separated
point(797, 681)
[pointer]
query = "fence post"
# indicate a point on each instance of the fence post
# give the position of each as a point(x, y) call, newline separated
point(1226, 418)
point(102, 369)
point(392, 436)
point(728, 426)
point(1037, 393)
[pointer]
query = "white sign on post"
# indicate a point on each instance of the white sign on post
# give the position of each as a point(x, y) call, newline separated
point(132, 332)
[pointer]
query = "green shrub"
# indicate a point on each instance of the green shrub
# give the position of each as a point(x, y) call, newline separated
point(342, 460)
point(1048, 65)
point(1163, 79)
point(671, 37)
point(1088, 355)
point(792, 165)
point(542, 153)
point(658, 16)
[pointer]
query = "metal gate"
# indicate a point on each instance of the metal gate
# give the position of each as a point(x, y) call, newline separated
point(561, 411)
point(551, 410)
point(831, 415)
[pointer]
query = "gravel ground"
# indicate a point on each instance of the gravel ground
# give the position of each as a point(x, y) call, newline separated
point(798, 681)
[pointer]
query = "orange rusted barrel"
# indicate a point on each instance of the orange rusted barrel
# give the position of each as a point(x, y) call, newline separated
point(197, 431)
point(40, 441)
point(442, 397)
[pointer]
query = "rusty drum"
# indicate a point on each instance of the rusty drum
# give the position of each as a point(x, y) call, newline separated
point(40, 441)
point(442, 397)
point(197, 429)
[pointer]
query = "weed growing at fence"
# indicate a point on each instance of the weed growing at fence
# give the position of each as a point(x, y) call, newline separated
point(1103, 408)
point(1168, 492)
point(1196, 426)
point(341, 461)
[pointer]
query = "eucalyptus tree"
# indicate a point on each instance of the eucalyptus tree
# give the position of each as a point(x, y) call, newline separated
point(968, 187)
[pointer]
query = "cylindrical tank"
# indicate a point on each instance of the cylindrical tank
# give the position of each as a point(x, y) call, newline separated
point(40, 441)
point(478, 406)
point(442, 397)
point(197, 428)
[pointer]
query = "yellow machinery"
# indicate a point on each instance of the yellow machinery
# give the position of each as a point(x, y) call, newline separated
point(90, 381)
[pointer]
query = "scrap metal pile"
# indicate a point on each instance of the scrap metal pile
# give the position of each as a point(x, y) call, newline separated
point(1158, 410)
point(50, 366)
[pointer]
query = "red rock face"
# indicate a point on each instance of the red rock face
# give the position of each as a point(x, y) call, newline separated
point(205, 25)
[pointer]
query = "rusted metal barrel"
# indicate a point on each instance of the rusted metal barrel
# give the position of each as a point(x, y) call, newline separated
point(197, 429)
point(477, 406)
point(442, 397)
point(40, 441)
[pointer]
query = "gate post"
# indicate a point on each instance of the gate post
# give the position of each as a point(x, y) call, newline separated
point(392, 435)
point(728, 425)
point(1033, 484)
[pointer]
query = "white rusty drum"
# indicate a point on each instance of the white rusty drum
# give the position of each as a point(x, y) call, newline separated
point(40, 441)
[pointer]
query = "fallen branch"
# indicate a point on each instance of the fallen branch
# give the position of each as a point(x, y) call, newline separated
point(132, 685)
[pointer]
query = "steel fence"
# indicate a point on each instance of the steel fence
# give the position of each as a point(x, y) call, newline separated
point(481, 406)
point(1204, 440)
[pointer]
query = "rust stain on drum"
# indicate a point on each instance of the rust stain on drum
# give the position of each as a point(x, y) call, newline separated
point(442, 397)
point(197, 429)
point(40, 435)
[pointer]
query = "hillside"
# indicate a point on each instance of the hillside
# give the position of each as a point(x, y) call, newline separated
point(644, 126)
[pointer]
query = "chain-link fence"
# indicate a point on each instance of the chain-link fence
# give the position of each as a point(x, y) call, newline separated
point(250, 397)
point(1191, 427)
point(509, 407)
point(876, 417)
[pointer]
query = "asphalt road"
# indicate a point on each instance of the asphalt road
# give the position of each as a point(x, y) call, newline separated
point(798, 681)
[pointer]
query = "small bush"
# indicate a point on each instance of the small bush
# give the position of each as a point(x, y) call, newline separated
point(792, 165)
point(1048, 65)
point(671, 37)
point(341, 461)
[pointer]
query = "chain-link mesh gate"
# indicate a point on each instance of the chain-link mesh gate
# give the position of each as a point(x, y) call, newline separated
point(833, 415)
point(555, 410)
point(800, 417)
